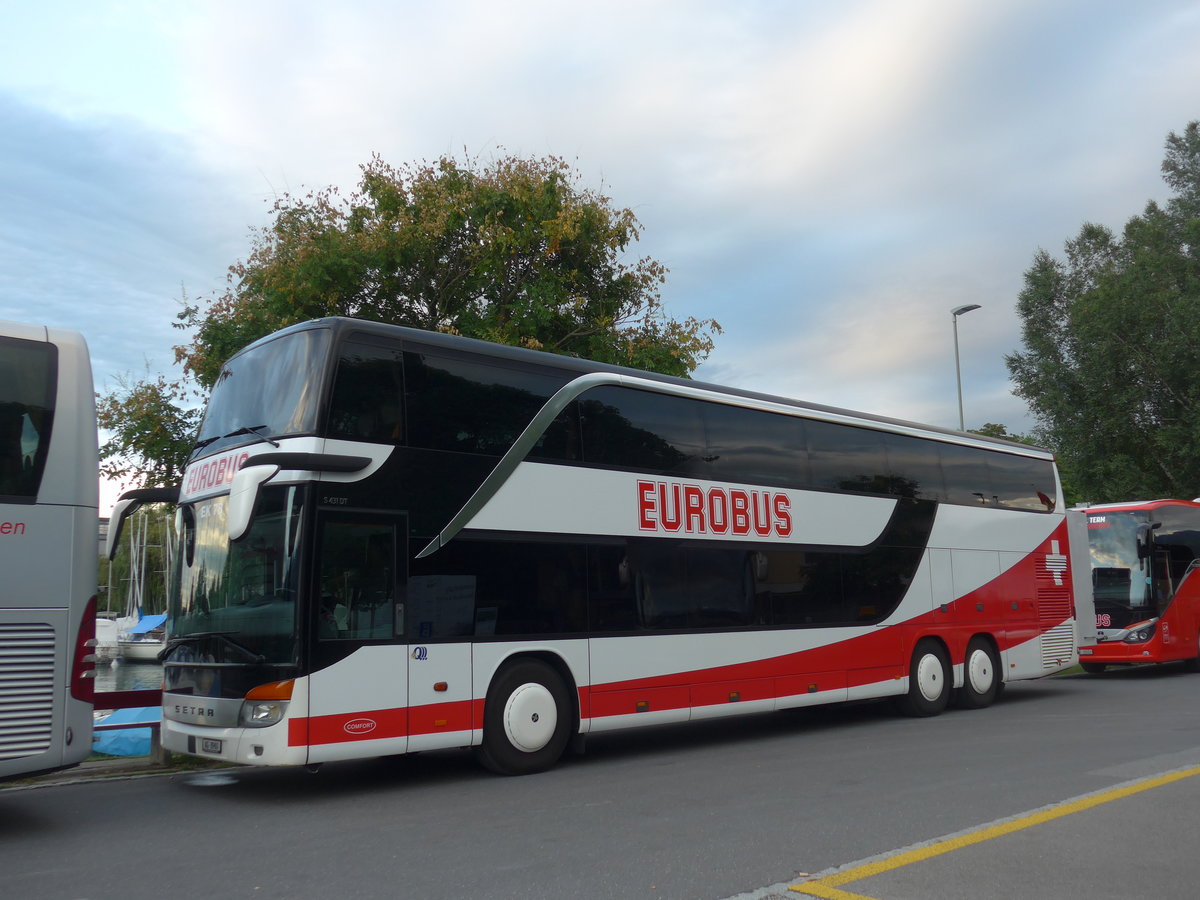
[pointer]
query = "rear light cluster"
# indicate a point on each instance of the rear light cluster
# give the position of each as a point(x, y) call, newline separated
point(83, 660)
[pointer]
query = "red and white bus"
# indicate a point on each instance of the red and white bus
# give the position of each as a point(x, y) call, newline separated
point(393, 540)
point(49, 494)
point(1144, 557)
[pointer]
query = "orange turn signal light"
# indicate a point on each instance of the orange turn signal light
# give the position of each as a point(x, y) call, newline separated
point(275, 690)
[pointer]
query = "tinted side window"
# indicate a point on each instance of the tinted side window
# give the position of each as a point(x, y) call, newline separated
point(756, 447)
point(1180, 528)
point(368, 394)
point(561, 440)
point(358, 583)
point(845, 458)
point(1177, 542)
point(1019, 482)
point(914, 467)
point(803, 587)
point(660, 585)
point(488, 588)
point(690, 587)
point(612, 604)
point(642, 430)
point(469, 406)
point(28, 372)
point(967, 478)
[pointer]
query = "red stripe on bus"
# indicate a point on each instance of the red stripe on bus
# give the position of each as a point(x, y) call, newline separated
point(376, 724)
point(883, 654)
point(816, 670)
point(371, 725)
point(438, 717)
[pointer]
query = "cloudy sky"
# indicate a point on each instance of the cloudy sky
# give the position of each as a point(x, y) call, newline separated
point(828, 180)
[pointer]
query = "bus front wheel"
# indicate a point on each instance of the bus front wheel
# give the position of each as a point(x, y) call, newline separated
point(981, 675)
point(928, 680)
point(1092, 668)
point(526, 719)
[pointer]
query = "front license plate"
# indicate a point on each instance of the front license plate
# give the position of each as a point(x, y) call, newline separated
point(210, 745)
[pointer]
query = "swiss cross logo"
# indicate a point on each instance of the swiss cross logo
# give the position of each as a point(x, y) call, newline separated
point(1056, 563)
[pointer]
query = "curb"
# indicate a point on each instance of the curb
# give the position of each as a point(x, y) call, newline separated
point(109, 770)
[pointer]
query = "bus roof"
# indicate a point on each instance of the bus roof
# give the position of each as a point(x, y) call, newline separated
point(583, 366)
point(1131, 505)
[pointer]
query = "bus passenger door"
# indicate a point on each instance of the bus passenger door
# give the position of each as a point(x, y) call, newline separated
point(358, 690)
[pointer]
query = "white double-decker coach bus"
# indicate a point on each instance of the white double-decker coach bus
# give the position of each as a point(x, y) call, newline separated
point(49, 492)
point(394, 540)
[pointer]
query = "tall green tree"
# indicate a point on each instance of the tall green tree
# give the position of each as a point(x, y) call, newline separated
point(516, 252)
point(150, 424)
point(1111, 336)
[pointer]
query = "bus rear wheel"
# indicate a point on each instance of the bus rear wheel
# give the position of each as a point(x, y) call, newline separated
point(928, 680)
point(981, 675)
point(526, 719)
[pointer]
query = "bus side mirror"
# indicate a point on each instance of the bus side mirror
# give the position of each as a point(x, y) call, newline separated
point(127, 505)
point(1145, 539)
point(121, 511)
point(256, 471)
point(243, 496)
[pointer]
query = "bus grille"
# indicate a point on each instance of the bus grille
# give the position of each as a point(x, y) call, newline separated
point(1058, 646)
point(26, 689)
point(1054, 601)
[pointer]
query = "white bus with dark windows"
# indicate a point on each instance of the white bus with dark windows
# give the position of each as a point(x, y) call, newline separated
point(49, 495)
point(395, 540)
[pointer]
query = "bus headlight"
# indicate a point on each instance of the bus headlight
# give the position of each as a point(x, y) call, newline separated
point(266, 704)
point(261, 713)
point(1141, 633)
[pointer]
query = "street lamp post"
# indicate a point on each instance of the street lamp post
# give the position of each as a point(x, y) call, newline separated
point(954, 314)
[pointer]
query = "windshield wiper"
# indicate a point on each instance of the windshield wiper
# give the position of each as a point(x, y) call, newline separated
point(259, 430)
point(204, 443)
point(222, 636)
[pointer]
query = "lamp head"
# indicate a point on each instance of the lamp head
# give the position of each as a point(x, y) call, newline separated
point(959, 310)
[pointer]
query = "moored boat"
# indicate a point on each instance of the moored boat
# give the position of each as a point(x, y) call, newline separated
point(144, 639)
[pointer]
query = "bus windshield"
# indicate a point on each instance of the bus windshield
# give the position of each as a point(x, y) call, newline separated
point(272, 390)
point(1119, 578)
point(245, 588)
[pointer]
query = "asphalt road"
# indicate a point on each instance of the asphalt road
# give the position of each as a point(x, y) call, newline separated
point(736, 808)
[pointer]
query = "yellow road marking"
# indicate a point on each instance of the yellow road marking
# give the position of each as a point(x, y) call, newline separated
point(828, 886)
point(817, 889)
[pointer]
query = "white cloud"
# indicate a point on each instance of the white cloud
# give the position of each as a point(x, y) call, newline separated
point(103, 225)
point(828, 180)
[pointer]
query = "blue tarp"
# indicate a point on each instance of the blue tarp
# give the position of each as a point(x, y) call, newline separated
point(126, 741)
point(148, 624)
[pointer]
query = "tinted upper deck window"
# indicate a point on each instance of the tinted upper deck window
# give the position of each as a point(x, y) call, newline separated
point(755, 446)
point(846, 458)
point(1021, 482)
point(642, 430)
point(968, 480)
point(368, 394)
point(471, 406)
point(914, 467)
